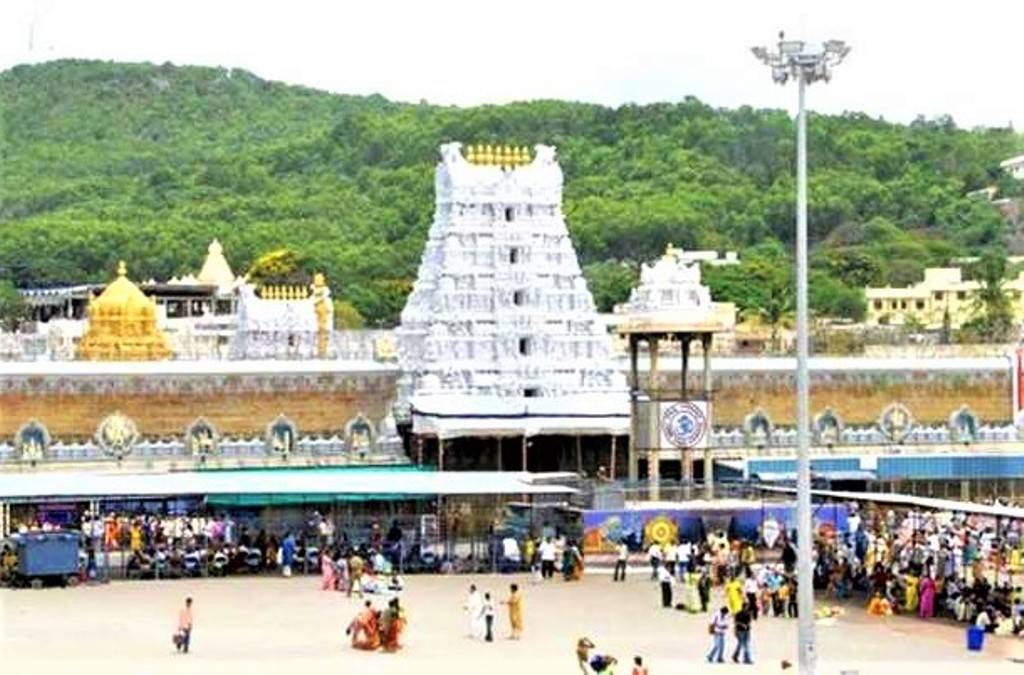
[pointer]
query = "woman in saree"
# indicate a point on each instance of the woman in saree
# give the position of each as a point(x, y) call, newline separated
point(691, 592)
point(572, 563)
point(926, 609)
point(392, 625)
point(364, 629)
point(328, 580)
point(910, 595)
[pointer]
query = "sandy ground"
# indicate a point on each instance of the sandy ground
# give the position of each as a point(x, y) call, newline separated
point(272, 625)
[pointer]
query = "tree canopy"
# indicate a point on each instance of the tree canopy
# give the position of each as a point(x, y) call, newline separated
point(104, 161)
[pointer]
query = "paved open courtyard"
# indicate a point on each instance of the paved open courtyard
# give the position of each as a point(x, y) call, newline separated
point(272, 625)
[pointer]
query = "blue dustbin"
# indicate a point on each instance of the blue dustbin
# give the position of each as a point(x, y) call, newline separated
point(975, 638)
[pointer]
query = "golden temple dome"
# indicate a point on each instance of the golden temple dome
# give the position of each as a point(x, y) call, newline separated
point(122, 325)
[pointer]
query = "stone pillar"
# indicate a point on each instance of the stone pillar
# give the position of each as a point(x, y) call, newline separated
point(579, 454)
point(686, 454)
point(965, 490)
point(500, 458)
point(709, 468)
point(611, 463)
point(632, 472)
point(525, 452)
point(654, 438)
point(440, 453)
point(419, 450)
point(684, 349)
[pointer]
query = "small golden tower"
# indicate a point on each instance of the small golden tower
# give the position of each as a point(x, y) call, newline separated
point(122, 325)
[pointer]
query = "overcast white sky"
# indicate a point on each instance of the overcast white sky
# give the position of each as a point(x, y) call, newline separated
point(910, 57)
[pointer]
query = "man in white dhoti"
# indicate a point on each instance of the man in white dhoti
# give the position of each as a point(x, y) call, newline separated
point(475, 614)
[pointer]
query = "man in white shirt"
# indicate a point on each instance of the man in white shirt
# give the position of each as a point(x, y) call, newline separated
point(655, 554)
point(671, 556)
point(751, 589)
point(621, 558)
point(684, 554)
point(547, 558)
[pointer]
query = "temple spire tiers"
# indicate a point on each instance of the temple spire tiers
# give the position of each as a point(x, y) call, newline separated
point(123, 325)
point(500, 335)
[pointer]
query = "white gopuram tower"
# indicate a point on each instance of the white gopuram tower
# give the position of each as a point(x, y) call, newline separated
point(500, 335)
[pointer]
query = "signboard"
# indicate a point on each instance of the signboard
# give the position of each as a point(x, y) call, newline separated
point(685, 424)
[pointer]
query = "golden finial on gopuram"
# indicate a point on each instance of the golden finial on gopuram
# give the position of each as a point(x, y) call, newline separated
point(470, 154)
point(488, 155)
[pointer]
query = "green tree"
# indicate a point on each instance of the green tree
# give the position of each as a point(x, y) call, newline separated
point(346, 182)
point(13, 309)
point(610, 283)
point(830, 297)
point(346, 316)
point(993, 320)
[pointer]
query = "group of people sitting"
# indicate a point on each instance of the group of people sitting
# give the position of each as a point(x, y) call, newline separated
point(928, 564)
point(373, 629)
point(358, 571)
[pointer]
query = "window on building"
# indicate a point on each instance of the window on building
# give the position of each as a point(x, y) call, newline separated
point(510, 214)
point(903, 304)
point(878, 304)
point(895, 305)
point(919, 304)
point(514, 255)
point(531, 392)
point(519, 298)
point(938, 296)
point(524, 346)
point(961, 295)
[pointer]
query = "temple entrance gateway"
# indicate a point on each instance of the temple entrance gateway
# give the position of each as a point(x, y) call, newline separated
point(505, 362)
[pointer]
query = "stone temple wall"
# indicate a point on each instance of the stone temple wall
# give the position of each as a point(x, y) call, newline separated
point(242, 404)
point(71, 406)
point(858, 398)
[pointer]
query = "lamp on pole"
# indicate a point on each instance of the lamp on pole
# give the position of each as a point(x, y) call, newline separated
point(806, 63)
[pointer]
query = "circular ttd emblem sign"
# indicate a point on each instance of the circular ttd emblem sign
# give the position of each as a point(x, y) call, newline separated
point(684, 425)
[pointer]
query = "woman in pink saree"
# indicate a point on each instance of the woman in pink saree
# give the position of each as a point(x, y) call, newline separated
point(328, 581)
point(926, 610)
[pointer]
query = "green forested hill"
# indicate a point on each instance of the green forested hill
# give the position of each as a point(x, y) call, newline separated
point(102, 161)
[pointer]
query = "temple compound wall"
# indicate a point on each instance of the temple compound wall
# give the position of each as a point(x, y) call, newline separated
point(162, 399)
point(859, 389)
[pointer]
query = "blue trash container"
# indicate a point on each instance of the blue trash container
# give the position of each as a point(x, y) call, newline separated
point(975, 638)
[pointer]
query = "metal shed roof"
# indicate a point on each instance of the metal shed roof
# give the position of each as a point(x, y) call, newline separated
point(327, 482)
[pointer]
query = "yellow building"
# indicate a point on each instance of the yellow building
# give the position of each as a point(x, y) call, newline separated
point(122, 325)
point(943, 290)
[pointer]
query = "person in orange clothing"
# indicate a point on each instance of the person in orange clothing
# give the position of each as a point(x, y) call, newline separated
point(879, 606)
point(110, 533)
point(364, 629)
point(393, 624)
point(183, 638)
point(515, 611)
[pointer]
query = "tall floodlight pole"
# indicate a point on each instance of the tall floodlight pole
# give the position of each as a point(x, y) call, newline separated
point(805, 63)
